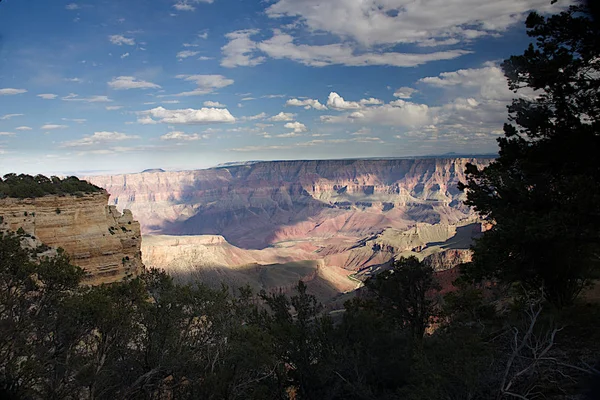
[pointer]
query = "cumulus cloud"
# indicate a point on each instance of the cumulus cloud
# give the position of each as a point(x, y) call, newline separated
point(187, 116)
point(428, 22)
point(186, 53)
point(337, 102)
point(72, 6)
point(238, 52)
point(9, 116)
point(404, 92)
point(120, 40)
point(124, 55)
point(306, 103)
point(130, 82)
point(11, 91)
point(99, 138)
point(23, 128)
point(182, 136)
point(90, 99)
point(296, 126)
point(47, 96)
point(206, 83)
point(213, 104)
point(400, 113)
point(51, 127)
point(282, 117)
point(112, 108)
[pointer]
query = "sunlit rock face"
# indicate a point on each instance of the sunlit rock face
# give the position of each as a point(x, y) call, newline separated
point(97, 237)
point(257, 205)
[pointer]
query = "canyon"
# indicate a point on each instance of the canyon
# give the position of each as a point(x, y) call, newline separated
point(329, 222)
point(103, 241)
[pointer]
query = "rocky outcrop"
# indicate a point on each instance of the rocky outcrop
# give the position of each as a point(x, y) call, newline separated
point(96, 236)
point(448, 259)
point(257, 205)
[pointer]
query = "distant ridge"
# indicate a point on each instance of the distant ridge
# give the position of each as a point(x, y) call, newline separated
point(153, 170)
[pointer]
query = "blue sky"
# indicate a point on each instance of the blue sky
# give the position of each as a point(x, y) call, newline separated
point(121, 86)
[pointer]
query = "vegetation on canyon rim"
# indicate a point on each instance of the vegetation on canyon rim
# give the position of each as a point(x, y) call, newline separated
point(513, 329)
point(26, 186)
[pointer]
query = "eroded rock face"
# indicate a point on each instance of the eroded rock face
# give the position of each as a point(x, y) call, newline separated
point(97, 237)
point(256, 205)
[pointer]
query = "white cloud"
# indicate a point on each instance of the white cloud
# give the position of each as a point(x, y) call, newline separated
point(203, 58)
point(182, 136)
point(238, 52)
point(124, 55)
point(76, 80)
point(298, 127)
point(23, 128)
point(51, 127)
point(130, 82)
point(182, 6)
point(9, 116)
point(11, 91)
point(7, 133)
point(203, 35)
point(170, 101)
point(186, 53)
point(187, 5)
point(282, 45)
point(206, 84)
point(242, 51)
point(404, 92)
point(262, 115)
point(213, 104)
point(284, 135)
point(400, 113)
point(72, 6)
point(380, 22)
point(337, 102)
point(371, 101)
point(99, 138)
point(112, 108)
point(78, 120)
point(121, 40)
point(47, 96)
point(187, 116)
point(306, 103)
point(282, 117)
point(91, 99)
point(362, 131)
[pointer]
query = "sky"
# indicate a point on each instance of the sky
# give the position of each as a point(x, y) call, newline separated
point(113, 86)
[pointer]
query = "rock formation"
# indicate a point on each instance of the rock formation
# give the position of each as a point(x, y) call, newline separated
point(256, 205)
point(96, 236)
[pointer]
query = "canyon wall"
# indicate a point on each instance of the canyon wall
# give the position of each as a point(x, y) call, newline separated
point(257, 205)
point(96, 236)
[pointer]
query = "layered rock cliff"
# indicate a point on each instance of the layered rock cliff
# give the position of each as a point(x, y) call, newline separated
point(254, 206)
point(97, 237)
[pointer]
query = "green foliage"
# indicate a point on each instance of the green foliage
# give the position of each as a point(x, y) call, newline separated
point(543, 191)
point(406, 295)
point(27, 186)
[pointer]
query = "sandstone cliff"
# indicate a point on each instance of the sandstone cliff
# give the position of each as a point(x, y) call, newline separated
point(257, 205)
point(97, 237)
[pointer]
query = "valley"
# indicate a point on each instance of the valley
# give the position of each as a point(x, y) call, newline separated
point(328, 223)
